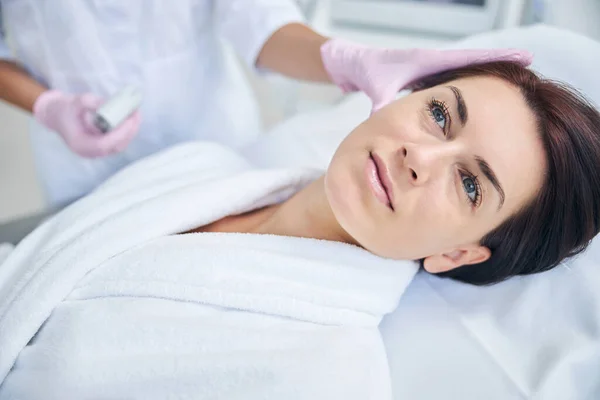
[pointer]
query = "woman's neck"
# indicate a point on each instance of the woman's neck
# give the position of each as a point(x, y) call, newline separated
point(306, 214)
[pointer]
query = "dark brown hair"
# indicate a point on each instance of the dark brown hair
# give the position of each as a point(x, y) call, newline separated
point(565, 216)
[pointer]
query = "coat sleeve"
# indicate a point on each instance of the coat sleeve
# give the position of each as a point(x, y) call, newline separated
point(5, 52)
point(248, 24)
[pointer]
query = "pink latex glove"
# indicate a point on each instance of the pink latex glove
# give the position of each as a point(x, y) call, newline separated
point(382, 73)
point(70, 116)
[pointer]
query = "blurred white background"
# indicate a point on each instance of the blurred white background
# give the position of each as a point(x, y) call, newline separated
point(20, 194)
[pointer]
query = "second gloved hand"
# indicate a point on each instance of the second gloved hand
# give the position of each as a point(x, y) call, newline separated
point(382, 73)
point(70, 116)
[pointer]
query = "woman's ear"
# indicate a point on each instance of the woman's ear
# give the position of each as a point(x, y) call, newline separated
point(466, 255)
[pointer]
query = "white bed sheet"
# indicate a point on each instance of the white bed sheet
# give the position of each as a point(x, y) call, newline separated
point(529, 338)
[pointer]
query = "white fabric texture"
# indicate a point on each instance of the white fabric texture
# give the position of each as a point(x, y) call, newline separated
point(5, 250)
point(177, 52)
point(528, 338)
point(104, 300)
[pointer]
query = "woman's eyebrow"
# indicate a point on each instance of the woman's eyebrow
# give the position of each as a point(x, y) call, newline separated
point(461, 106)
point(488, 172)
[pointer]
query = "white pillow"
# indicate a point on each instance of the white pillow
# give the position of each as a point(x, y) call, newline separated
point(532, 337)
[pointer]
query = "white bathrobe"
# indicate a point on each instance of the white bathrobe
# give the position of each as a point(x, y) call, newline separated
point(106, 301)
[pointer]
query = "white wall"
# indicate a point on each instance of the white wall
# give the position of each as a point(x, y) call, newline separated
point(19, 190)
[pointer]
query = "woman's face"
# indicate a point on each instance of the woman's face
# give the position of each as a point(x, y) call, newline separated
point(431, 174)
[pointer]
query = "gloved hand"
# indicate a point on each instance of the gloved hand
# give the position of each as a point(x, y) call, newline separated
point(71, 116)
point(382, 73)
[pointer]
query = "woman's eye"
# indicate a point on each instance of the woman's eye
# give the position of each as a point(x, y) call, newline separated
point(439, 117)
point(471, 188)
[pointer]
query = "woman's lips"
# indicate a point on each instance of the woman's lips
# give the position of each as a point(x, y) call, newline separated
point(377, 177)
point(384, 177)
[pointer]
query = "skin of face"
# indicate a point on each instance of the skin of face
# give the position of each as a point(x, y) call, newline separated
point(431, 156)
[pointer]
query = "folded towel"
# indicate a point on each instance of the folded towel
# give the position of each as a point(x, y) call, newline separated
point(105, 301)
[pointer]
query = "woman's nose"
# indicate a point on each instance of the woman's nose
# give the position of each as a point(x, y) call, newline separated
point(425, 161)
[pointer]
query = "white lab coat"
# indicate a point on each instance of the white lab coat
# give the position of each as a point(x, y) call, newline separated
point(174, 50)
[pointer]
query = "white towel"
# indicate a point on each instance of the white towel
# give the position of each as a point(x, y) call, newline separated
point(104, 301)
point(5, 250)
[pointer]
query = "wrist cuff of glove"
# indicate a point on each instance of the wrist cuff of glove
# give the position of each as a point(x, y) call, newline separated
point(41, 103)
point(335, 54)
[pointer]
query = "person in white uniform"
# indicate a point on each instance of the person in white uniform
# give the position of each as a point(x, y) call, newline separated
point(61, 58)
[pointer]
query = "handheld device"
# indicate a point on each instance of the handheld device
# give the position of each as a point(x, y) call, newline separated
point(112, 113)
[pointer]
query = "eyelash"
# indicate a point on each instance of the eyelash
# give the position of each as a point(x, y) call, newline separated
point(432, 105)
point(478, 192)
point(435, 103)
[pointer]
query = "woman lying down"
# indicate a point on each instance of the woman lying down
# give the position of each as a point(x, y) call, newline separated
point(192, 275)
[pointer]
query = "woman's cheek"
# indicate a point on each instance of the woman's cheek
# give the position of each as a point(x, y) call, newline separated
point(396, 125)
point(434, 210)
